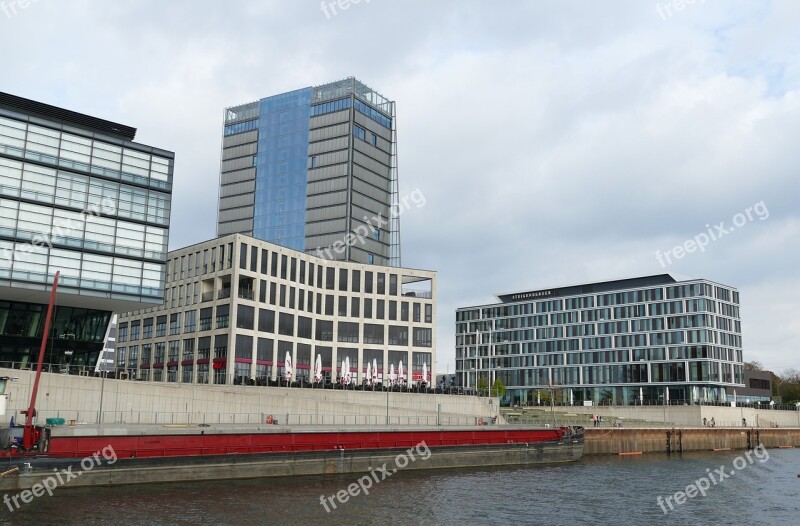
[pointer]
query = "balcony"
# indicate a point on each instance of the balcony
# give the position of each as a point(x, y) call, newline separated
point(224, 294)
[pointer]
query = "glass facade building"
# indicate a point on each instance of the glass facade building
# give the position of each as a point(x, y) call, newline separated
point(648, 340)
point(314, 170)
point(78, 196)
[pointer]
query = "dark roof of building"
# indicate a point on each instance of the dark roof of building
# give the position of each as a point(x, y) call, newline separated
point(588, 288)
point(39, 109)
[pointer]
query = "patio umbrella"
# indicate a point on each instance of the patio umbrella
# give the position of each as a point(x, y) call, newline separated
point(287, 364)
point(391, 374)
point(347, 371)
point(400, 373)
point(424, 373)
point(374, 370)
point(571, 398)
point(369, 374)
point(641, 396)
point(318, 369)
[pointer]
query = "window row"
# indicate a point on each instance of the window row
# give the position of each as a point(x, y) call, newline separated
point(49, 226)
point(80, 153)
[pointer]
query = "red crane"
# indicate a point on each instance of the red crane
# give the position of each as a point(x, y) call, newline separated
point(31, 435)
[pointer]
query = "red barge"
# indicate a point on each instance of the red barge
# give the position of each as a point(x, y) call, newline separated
point(127, 454)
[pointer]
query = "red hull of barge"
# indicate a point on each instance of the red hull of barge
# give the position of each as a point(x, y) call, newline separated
point(228, 444)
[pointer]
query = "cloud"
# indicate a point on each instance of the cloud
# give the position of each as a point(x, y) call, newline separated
point(555, 144)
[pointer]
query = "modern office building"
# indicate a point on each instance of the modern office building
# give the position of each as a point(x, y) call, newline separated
point(314, 170)
point(236, 305)
point(78, 196)
point(641, 340)
point(757, 388)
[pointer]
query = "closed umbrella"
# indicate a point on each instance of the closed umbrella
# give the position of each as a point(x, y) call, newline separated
point(318, 369)
point(425, 373)
point(374, 371)
point(287, 364)
point(369, 374)
point(347, 377)
point(392, 376)
point(641, 396)
point(400, 379)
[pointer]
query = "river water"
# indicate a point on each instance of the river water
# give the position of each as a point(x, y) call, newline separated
point(596, 490)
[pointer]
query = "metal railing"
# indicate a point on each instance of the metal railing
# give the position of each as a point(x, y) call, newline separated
point(277, 416)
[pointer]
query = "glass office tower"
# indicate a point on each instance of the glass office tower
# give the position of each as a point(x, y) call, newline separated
point(648, 340)
point(78, 196)
point(314, 170)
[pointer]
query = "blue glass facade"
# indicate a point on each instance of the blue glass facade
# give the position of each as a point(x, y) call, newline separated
point(281, 169)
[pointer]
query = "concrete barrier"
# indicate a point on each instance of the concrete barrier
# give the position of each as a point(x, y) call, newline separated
point(78, 398)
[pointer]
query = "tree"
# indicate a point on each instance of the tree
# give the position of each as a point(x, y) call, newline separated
point(482, 385)
point(498, 388)
point(788, 386)
point(753, 366)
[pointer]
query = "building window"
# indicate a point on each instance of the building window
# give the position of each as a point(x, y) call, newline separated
point(245, 317)
point(398, 335)
point(324, 331)
point(370, 259)
point(423, 337)
point(175, 323)
point(348, 332)
point(304, 327)
point(376, 234)
point(360, 132)
point(286, 324)
point(205, 318)
point(329, 304)
point(266, 320)
point(123, 333)
point(223, 316)
point(161, 326)
point(373, 333)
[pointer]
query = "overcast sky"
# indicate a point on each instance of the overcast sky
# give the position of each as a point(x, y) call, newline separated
point(555, 143)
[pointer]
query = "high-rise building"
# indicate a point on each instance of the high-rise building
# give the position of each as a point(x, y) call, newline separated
point(314, 170)
point(78, 196)
point(650, 340)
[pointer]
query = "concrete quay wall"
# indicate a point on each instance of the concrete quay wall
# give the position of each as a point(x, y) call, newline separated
point(79, 398)
point(615, 441)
